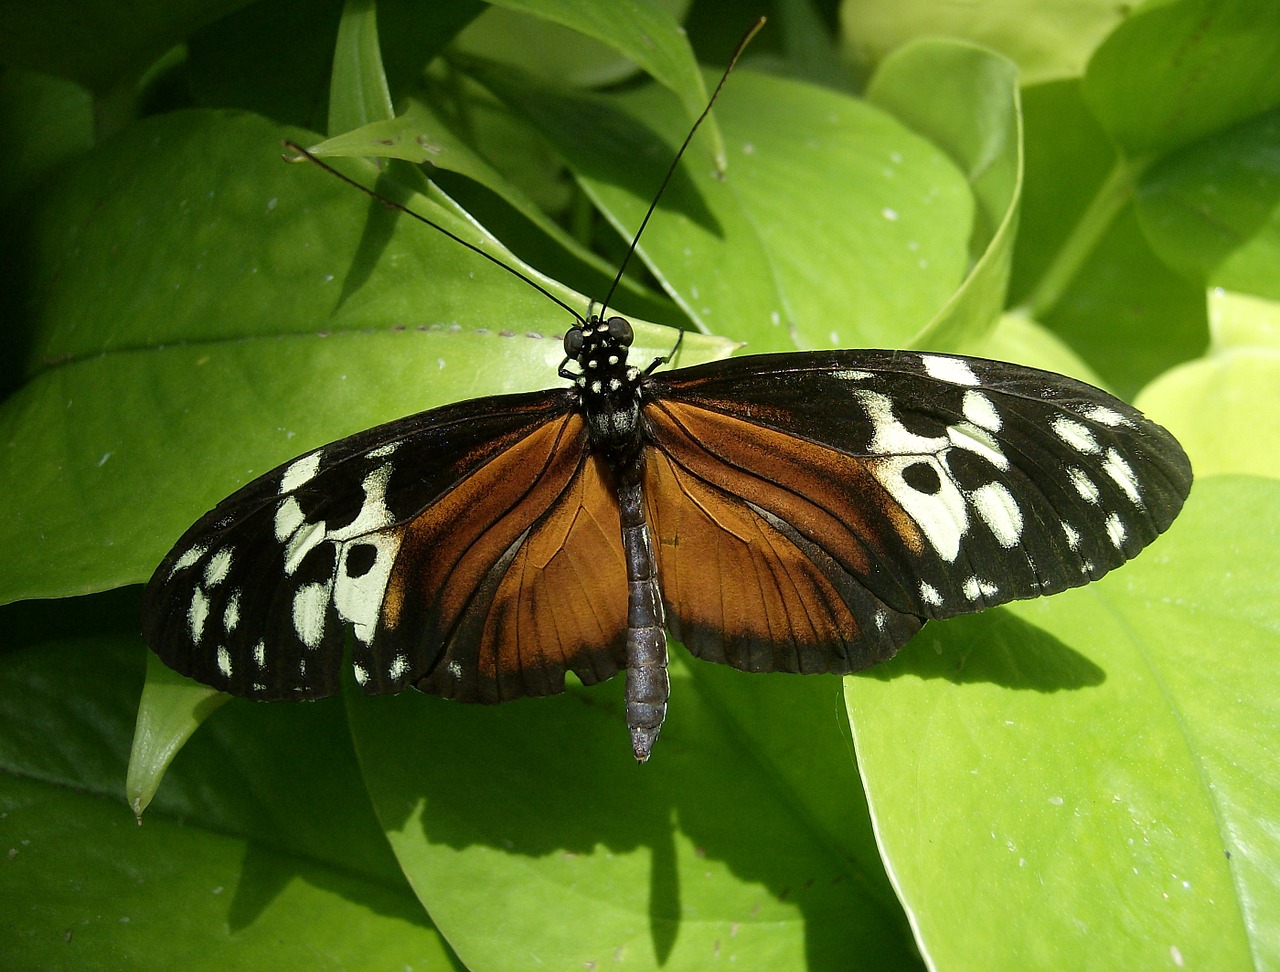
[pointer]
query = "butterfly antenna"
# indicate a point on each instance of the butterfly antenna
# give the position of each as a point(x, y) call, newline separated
point(392, 204)
point(737, 52)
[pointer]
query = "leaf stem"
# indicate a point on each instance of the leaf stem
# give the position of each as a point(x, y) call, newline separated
point(1112, 195)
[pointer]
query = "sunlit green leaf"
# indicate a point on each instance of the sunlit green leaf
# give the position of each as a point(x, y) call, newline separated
point(1047, 39)
point(1177, 71)
point(1097, 757)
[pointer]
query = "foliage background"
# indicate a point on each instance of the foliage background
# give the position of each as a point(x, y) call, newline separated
point(1088, 780)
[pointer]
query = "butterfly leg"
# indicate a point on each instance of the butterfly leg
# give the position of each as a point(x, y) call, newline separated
point(663, 359)
point(647, 683)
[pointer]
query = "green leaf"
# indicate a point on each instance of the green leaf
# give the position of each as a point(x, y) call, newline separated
point(1017, 337)
point(358, 91)
point(1126, 312)
point(200, 299)
point(966, 100)
point(552, 51)
point(1047, 39)
point(738, 254)
point(46, 121)
point(1105, 758)
point(232, 868)
point(422, 135)
point(1223, 407)
point(1242, 320)
point(1212, 210)
point(99, 44)
point(644, 31)
point(171, 709)
point(744, 840)
point(1224, 410)
point(1175, 72)
point(276, 57)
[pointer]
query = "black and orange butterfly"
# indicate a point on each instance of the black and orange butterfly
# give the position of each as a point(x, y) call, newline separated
point(802, 512)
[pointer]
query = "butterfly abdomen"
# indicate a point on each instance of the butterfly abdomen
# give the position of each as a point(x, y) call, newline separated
point(647, 683)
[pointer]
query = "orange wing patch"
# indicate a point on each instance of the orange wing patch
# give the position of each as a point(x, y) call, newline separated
point(764, 542)
point(561, 605)
point(514, 577)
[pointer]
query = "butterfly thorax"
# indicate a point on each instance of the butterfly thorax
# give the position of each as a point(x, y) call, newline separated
point(608, 391)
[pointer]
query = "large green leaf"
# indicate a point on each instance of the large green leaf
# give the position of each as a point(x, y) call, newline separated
point(1105, 758)
point(647, 33)
point(966, 100)
point(1178, 71)
point(528, 829)
point(1213, 209)
point(1047, 39)
point(198, 300)
point(825, 199)
point(1224, 407)
point(1084, 266)
point(232, 867)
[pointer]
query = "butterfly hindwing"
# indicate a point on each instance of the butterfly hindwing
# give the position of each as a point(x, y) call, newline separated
point(877, 489)
point(257, 596)
point(513, 579)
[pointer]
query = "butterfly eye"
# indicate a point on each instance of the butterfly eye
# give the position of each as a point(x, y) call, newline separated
point(620, 331)
point(573, 342)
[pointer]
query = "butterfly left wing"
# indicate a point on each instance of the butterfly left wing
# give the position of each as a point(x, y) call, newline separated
point(428, 537)
point(811, 510)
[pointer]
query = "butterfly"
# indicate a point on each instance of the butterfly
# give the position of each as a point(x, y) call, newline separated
point(796, 512)
point(800, 512)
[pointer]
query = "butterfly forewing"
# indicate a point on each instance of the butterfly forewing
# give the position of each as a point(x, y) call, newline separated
point(912, 486)
point(256, 597)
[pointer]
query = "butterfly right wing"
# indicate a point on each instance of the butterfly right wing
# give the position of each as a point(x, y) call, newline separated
point(430, 538)
point(810, 510)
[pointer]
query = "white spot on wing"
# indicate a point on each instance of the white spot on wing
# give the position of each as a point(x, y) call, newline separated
point(1075, 434)
point(1085, 486)
point(979, 410)
point(301, 544)
point(288, 518)
point(399, 668)
point(965, 435)
point(197, 614)
point(383, 451)
point(216, 570)
point(359, 599)
point(1105, 416)
point(889, 436)
point(976, 587)
point(362, 677)
point(224, 662)
point(929, 594)
point(309, 603)
point(1116, 530)
point(188, 559)
point(300, 472)
point(942, 516)
point(260, 654)
point(999, 510)
point(1123, 475)
point(851, 374)
point(231, 614)
point(373, 514)
point(1073, 535)
point(955, 371)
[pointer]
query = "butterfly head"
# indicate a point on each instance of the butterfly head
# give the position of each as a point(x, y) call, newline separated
point(599, 346)
point(599, 349)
